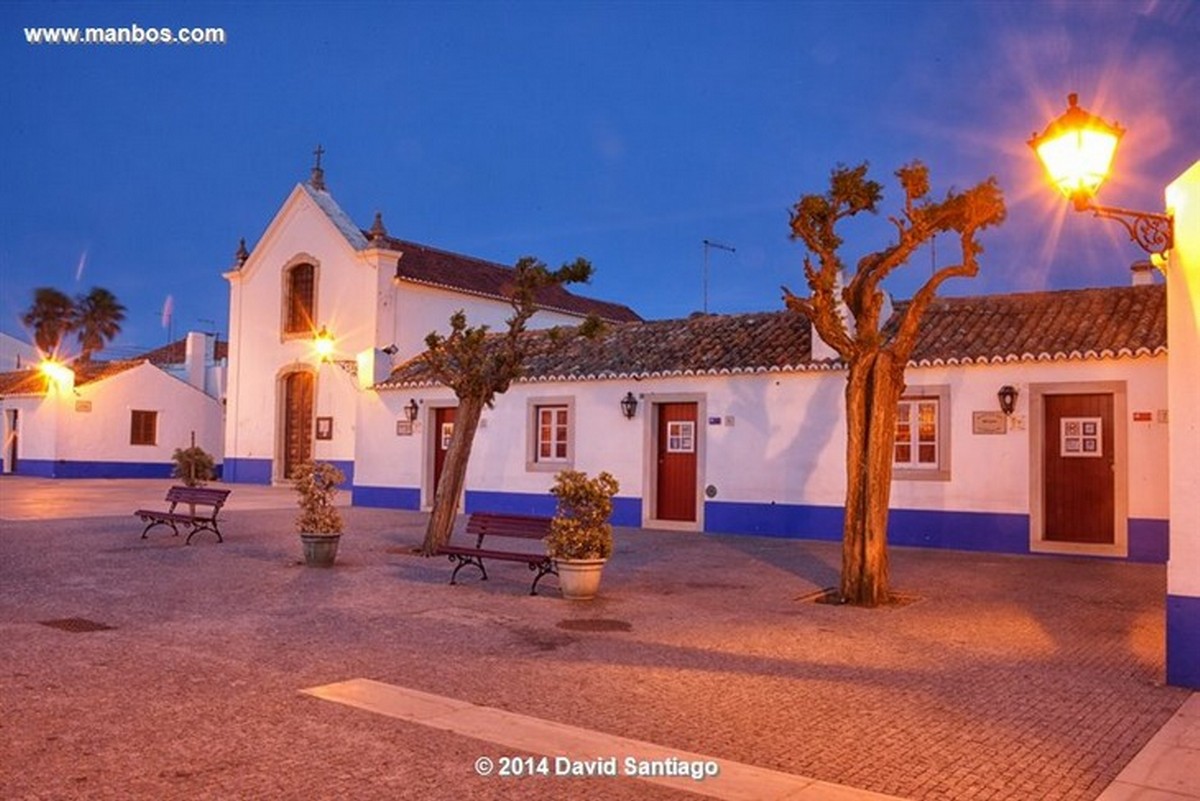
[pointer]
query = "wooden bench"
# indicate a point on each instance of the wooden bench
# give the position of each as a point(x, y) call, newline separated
point(191, 497)
point(483, 525)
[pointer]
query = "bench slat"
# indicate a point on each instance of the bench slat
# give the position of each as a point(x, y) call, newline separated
point(498, 526)
point(190, 497)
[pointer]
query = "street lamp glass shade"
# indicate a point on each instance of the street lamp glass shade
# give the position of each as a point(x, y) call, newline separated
point(59, 374)
point(323, 344)
point(1077, 150)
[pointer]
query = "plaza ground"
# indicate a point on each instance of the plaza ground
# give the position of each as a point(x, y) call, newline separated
point(1009, 677)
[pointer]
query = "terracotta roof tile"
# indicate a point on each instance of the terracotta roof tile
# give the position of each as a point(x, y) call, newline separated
point(33, 382)
point(176, 352)
point(1038, 326)
point(1078, 323)
point(425, 265)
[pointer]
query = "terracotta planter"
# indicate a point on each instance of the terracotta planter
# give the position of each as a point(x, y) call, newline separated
point(320, 549)
point(579, 579)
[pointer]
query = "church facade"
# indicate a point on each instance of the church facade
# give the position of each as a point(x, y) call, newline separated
point(321, 310)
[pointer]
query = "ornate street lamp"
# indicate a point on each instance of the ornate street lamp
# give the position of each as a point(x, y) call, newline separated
point(1077, 150)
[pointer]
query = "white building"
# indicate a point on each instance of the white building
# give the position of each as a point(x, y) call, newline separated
point(113, 419)
point(15, 354)
point(738, 429)
point(372, 298)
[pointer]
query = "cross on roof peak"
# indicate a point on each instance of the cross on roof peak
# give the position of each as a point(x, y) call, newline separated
point(317, 181)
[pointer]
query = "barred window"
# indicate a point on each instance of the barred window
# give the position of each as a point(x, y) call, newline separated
point(300, 289)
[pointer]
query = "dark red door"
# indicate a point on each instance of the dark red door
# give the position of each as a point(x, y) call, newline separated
point(1078, 468)
point(443, 429)
point(676, 454)
point(297, 420)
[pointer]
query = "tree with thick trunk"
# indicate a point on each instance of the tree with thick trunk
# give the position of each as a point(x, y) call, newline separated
point(876, 351)
point(478, 367)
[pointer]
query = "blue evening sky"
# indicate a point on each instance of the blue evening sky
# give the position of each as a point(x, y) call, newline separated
point(623, 132)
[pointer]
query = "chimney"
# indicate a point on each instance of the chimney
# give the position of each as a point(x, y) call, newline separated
point(822, 351)
point(197, 354)
point(1142, 273)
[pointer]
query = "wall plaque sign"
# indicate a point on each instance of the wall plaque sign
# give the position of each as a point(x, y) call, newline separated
point(988, 423)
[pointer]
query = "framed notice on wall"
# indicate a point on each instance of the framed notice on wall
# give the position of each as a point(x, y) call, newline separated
point(324, 428)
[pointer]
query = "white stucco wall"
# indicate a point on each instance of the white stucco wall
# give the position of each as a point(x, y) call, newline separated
point(16, 354)
point(102, 433)
point(259, 353)
point(787, 439)
point(421, 309)
point(37, 422)
point(89, 425)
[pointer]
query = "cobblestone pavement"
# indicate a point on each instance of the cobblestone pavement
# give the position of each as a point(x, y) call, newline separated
point(1011, 677)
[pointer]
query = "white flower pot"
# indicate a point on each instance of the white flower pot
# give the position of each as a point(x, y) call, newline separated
point(579, 579)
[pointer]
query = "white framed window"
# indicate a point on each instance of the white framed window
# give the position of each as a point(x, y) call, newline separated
point(681, 436)
point(551, 434)
point(922, 447)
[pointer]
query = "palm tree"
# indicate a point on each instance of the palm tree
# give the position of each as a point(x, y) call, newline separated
point(97, 320)
point(51, 317)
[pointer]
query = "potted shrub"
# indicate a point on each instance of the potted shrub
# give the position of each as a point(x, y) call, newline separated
point(193, 466)
point(580, 537)
point(319, 523)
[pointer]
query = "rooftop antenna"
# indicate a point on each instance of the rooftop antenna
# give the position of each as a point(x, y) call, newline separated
point(708, 243)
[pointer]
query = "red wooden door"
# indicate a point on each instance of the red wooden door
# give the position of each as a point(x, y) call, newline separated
point(676, 455)
point(1078, 468)
point(443, 429)
point(297, 420)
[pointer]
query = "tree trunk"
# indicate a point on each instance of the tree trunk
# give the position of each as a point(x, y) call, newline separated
point(454, 475)
point(872, 392)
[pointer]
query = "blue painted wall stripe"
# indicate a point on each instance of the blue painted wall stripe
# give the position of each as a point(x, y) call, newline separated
point(64, 468)
point(387, 497)
point(258, 471)
point(989, 532)
point(247, 471)
point(971, 531)
point(626, 511)
point(1183, 641)
point(1149, 540)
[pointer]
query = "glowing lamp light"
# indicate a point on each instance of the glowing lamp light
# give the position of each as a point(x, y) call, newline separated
point(61, 376)
point(1077, 151)
point(323, 344)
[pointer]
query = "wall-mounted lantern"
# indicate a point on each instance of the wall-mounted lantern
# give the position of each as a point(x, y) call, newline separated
point(629, 406)
point(1008, 399)
point(57, 373)
point(1077, 151)
point(412, 410)
point(323, 344)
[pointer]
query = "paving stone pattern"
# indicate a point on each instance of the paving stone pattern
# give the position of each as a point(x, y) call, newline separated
point(1010, 678)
